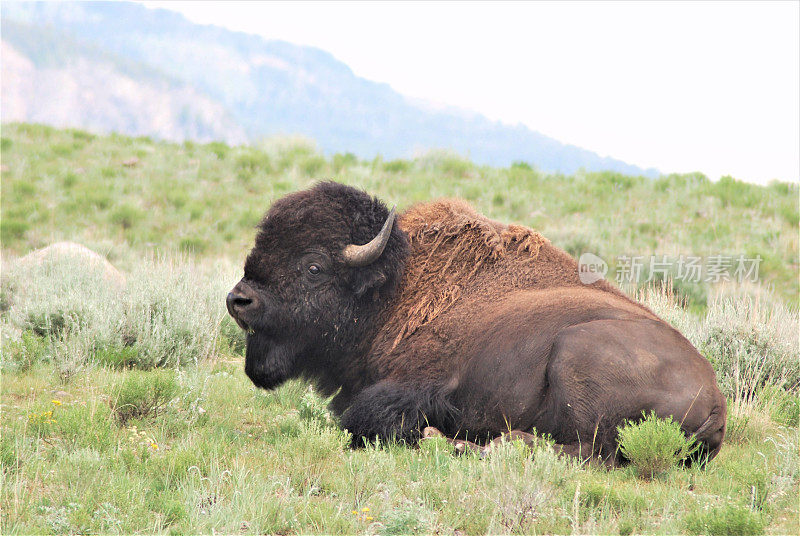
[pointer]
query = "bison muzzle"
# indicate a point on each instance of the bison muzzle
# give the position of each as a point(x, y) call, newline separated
point(447, 319)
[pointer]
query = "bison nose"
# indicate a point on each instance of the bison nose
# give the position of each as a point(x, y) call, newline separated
point(241, 300)
point(237, 302)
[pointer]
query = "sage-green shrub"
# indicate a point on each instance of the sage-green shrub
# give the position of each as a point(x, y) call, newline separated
point(653, 445)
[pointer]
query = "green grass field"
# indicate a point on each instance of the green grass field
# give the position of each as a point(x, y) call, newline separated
point(127, 410)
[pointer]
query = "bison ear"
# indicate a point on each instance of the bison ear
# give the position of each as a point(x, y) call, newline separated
point(368, 280)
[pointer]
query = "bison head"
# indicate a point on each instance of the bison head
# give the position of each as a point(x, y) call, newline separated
point(326, 262)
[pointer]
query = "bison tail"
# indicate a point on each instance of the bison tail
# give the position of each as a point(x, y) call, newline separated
point(711, 433)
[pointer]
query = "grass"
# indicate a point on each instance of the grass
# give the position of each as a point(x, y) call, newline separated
point(728, 520)
point(653, 446)
point(127, 409)
point(223, 456)
point(141, 394)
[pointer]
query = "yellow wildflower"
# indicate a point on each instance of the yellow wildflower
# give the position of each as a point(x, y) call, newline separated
point(365, 509)
point(368, 518)
point(154, 445)
point(56, 402)
point(355, 512)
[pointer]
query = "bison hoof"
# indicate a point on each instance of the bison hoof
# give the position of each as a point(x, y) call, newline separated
point(463, 447)
point(430, 431)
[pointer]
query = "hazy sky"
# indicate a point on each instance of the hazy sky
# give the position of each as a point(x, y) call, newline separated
point(711, 87)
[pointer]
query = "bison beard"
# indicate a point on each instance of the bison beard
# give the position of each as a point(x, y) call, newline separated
point(275, 363)
point(452, 320)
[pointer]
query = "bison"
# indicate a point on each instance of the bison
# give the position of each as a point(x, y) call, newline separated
point(445, 318)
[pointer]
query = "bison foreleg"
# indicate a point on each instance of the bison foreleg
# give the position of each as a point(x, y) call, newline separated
point(391, 411)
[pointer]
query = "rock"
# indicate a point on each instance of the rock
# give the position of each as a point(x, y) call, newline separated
point(61, 250)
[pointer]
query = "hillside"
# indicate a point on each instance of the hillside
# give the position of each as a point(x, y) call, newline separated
point(264, 87)
point(126, 408)
point(127, 196)
point(49, 77)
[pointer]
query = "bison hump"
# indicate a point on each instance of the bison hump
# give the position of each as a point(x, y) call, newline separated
point(456, 255)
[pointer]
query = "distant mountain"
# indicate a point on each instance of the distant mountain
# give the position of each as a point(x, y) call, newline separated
point(121, 66)
point(47, 77)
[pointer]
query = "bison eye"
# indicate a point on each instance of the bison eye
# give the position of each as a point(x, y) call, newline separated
point(314, 269)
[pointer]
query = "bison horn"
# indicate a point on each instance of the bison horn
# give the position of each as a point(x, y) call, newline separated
point(368, 253)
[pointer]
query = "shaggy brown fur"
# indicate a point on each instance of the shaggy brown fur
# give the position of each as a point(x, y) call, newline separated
point(461, 260)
